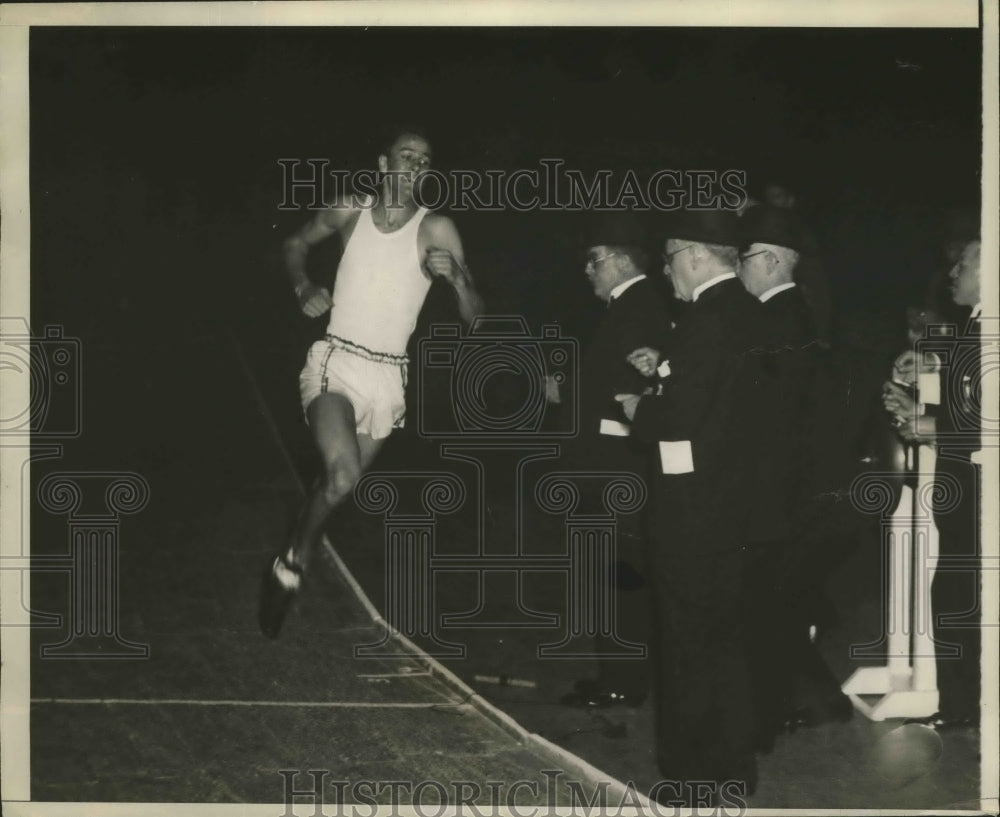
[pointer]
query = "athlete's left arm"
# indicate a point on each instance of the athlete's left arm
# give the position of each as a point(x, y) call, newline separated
point(445, 259)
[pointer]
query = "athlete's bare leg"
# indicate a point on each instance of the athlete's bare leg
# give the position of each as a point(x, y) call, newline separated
point(346, 456)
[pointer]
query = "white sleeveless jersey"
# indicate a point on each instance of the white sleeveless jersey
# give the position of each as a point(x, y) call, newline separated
point(380, 287)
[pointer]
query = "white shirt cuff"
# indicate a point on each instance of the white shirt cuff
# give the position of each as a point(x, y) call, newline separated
point(615, 428)
point(929, 388)
point(676, 457)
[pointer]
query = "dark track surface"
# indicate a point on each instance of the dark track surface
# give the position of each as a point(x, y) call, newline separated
point(211, 438)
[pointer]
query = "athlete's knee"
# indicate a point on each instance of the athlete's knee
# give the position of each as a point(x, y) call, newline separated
point(342, 474)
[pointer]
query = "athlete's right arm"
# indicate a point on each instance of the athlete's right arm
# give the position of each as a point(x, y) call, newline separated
point(313, 300)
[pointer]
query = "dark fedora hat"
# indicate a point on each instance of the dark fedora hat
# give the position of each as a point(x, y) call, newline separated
point(704, 227)
point(767, 224)
point(615, 229)
point(624, 230)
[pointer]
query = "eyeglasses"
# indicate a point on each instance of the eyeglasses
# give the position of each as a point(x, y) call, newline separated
point(668, 255)
point(745, 256)
point(593, 262)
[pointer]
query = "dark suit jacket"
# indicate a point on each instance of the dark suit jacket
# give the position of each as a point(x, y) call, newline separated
point(712, 398)
point(788, 320)
point(788, 368)
point(638, 317)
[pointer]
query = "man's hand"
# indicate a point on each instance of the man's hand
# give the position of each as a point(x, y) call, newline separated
point(918, 430)
point(907, 367)
point(442, 264)
point(630, 402)
point(645, 360)
point(898, 402)
point(314, 300)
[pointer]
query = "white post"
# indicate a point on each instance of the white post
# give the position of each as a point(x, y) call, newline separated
point(925, 562)
point(906, 687)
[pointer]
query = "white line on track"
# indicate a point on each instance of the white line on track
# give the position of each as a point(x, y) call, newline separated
point(490, 712)
point(425, 674)
point(294, 704)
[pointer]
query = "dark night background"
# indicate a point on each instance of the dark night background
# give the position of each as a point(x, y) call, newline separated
point(155, 181)
point(177, 132)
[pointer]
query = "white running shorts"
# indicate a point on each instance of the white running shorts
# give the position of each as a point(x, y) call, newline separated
point(374, 382)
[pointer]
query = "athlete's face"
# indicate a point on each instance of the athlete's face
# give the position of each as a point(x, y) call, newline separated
point(409, 156)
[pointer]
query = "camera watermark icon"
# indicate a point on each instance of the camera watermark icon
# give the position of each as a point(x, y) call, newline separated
point(929, 515)
point(497, 381)
point(953, 361)
point(935, 483)
point(41, 408)
point(50, 363)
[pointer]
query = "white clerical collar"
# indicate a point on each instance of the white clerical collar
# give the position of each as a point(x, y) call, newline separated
point(717, 279)
point(977, 311)
point(618, 290)
point(775, 290)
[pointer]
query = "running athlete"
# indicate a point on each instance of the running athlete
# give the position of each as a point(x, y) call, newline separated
point(353, 380)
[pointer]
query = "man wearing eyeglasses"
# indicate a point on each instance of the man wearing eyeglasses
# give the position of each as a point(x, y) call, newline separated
point(792, 683)
point(772, 247)
point(701, 426)
point(771, 238)
point(636, 316)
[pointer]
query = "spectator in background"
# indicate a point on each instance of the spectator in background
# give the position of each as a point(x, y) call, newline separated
point(700, 426)
point(780, 574)
point(810, 276)
point(953, 427)
point(961, 225)
point(636, 316)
